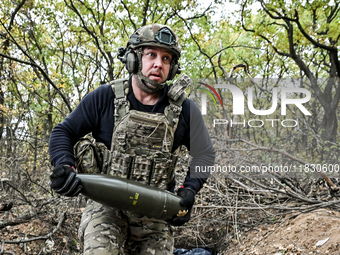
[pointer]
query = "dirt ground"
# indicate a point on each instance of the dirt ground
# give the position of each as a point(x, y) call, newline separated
point(317, 232)
point(63, 239)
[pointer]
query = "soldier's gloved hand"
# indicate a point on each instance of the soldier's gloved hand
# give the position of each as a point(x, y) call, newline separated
point(188, 201)
point(63, 180)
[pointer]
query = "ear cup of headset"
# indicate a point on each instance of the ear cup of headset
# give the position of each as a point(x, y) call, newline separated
point(176, 69)
point(131, 62)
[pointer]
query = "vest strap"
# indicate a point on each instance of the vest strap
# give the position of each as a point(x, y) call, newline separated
point(122, 106)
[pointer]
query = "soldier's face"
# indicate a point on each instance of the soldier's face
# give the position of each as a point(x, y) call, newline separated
point(156, 63)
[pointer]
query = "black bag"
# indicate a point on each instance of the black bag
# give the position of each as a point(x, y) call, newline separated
point(195, 251)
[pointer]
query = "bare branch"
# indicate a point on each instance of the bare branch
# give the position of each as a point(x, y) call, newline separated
point(145, 11)
point(219, 61)
point(256, 147)
point(61, 220)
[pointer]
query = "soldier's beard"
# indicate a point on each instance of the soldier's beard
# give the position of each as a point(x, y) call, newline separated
point(146, 87)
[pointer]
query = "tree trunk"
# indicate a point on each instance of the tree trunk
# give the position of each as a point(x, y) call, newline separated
point(2, 117)
point(329, 125)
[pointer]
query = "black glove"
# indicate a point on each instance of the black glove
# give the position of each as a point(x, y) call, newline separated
point(64, 181)
point(188, 201)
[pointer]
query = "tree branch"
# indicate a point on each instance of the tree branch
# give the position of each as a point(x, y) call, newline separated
point(91, 33)
point(61, 220)
point(33, 64)
point(308, 37)
point(262, 36)
point(129, 15)
point(145, 11)
point(256, 147)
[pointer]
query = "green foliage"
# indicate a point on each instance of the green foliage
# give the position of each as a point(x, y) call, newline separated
point(56, 52)
point(53, 53)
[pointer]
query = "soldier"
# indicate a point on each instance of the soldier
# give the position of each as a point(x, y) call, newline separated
point(142, 121)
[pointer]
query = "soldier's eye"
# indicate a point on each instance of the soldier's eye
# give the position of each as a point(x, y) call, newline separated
point(167, 59)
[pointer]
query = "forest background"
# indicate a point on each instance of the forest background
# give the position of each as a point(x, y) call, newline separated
point(53, 53)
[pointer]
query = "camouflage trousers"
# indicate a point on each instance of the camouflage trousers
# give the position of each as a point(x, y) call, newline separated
point(105, 230)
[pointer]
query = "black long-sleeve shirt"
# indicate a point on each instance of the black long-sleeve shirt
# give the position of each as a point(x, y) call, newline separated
point(95, 113)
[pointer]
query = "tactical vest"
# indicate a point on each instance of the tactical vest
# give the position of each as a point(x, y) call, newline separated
point(141, 148)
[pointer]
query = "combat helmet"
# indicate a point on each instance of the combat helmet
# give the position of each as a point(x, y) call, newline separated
point(155, 35)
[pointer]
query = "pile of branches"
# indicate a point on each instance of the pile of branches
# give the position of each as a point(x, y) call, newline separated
point(33, 219)
point(229, 204)
point(236, 201)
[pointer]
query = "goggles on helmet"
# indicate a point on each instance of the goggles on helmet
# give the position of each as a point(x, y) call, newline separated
point(165, 36)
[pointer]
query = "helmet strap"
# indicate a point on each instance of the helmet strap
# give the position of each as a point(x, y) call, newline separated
point(144, 85)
